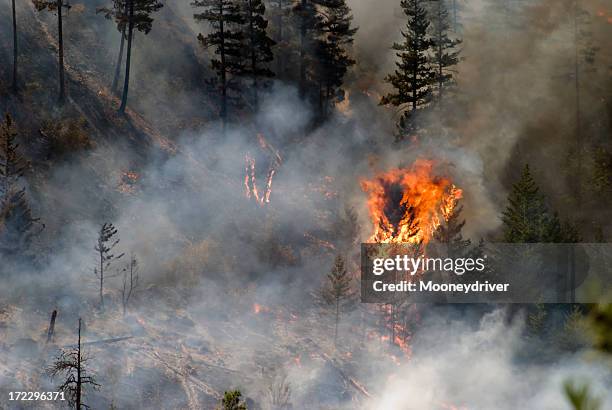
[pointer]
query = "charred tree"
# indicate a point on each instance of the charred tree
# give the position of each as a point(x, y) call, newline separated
point(308, 19)
point(17, 225)
point(14, 86)
point(70, 365)
point(138, 16)
point(130, 282)
point(57, 6)
point(118, 13)
point(106, 242)
point(51, 330)
point(232, 400)
point(226, 38)
point(412, 78)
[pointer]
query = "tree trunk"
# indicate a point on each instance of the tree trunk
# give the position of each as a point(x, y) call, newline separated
point(101, 281)
point(223, 68)
point(578, 119)
point(302, 84)
point(253, 56)
point(337, 320)
point(279, 23)
point(62, 94)
point(126, 83)
point(14, 48)
point(78, 382)
point(119, 61)
point(51, 326)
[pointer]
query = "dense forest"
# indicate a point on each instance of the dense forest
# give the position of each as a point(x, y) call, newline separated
point(184, 188)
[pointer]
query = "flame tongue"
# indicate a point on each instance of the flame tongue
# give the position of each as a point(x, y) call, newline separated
point(406, 205)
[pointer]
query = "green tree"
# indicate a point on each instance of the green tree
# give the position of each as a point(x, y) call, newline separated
point(56, 6)
point(138, 15)
point(527, 219)
point(333, 60)
point(580, 396)
point(119, 13)
point(227, 40)
point(232, 400)
point(414, 74)
point(259, 45)
point(445, 54)
point(337, 292)
point(308, 21)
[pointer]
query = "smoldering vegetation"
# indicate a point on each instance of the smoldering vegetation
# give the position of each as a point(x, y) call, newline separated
point(228, 286)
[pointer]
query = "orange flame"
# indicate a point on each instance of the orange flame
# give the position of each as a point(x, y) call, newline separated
point(406, 205)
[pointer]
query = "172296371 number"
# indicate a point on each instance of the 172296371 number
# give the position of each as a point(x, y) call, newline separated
point(36, 395)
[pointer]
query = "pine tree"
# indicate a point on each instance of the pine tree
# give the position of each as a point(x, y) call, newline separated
point(280, 14)
point(232, 400)
point(14, 86)
point(118, 13)
point(70, 364)
point(17, 225)
point(445, 54)
point(527, 218)
point(412, 78)
point(107, 240)
point(138, 18)
point(259, 45)
point(337, 293)
point(57, 6)
point(333, 60)
point(449, 233)
point(131, 280)
point(227, 40)
point(308, 21)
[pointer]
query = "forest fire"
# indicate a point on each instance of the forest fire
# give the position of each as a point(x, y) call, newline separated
point(406, 204)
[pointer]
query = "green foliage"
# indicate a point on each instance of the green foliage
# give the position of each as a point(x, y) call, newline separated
point(337, 292)
point(412, 79)
point(580, 397)
point(232, 400)
point(536, 319)
point(527, 218)
point(445, 54)
point(574, 334)
point(600, 322)
point(142, 19)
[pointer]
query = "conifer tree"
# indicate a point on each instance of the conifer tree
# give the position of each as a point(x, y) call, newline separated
point(333, 61)
point(227, 40)
point(412, 78)
point(449, 233)
point(259, 45)
point(337, 293)
point(527, 218)
point(105, 243)
point(57, 6)
point(280, 12)
point(308, 21)
point(445, 54)
point(17, 225)
point(232, 400)
point(118, 13)
point(71, 365)
point(138, 18)
point(14, 86)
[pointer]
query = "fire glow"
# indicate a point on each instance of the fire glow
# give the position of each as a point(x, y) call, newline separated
point(407, 204)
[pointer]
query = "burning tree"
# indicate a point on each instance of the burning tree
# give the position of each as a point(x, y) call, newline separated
point(337, 293)
point(71, 365)
point(106, 242)
point(408, 204)
point(250, 182)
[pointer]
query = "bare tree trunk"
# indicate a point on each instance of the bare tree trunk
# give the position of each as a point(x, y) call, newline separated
point(279, 40)
point(101, 281)
point(223, 69)
point(337, 319)
point(14, 49)
point(78, 382)
point(126, 83)
point(253, 56)
point(119, 61)
point(51, 326)
point(62, 93)
point(302, 84)
point(578, 119)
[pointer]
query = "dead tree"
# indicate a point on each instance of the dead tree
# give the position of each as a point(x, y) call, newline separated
point(70, 364)
point(51, 330)
point(106, 242)
point(130, 282)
